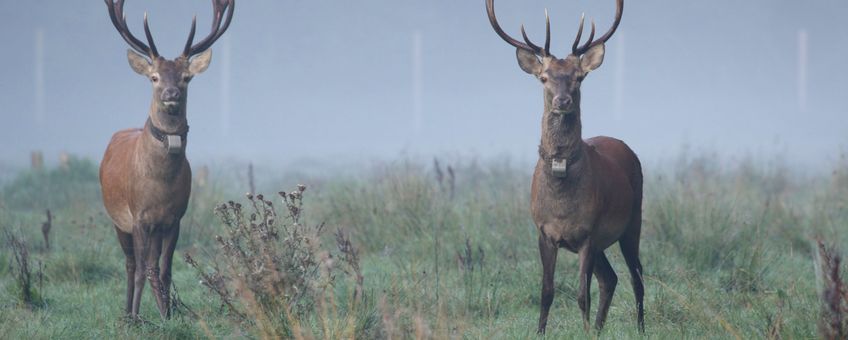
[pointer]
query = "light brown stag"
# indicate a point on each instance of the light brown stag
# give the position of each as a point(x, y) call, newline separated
point(144, 175)
point(586, 195)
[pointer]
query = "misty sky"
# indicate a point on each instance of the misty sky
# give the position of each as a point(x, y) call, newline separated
point(351, 80)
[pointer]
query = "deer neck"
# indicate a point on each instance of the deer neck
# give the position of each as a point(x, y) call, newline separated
point(161, 151)
point(175, 123)
point(561, 136)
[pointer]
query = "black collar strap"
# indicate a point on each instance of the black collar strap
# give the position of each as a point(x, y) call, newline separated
point(175, 144)
point(549, 157)
point(161, 135)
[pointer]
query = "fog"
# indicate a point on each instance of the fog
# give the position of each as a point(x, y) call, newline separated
point(345, 81)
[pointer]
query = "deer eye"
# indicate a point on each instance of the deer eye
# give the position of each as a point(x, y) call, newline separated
point(186, 78)
point(154, 78)
point(543, 79)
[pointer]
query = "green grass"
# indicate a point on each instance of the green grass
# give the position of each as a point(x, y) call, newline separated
point(728, 251)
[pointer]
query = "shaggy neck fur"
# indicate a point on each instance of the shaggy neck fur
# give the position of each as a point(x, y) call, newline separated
point(170, 124)
point(561, 135)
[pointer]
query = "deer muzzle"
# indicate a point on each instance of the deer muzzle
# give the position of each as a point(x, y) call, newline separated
point(562, 105)
point(169, 101)
point(170, 96)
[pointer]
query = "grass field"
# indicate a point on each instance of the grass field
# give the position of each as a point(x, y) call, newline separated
point(728, 250)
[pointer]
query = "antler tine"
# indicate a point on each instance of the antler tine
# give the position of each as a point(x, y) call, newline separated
point(547, 33)
point(536, 49)
point(219, 7)
point(153, 51)
point(216, 22)
point(490, 9)
point(619, 9)
point(574, 48)
point(119, 20)
point(187, 49)
point(589, 41)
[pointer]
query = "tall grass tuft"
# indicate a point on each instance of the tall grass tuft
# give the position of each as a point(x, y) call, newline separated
point(479, 284)
point(67, 187)
point(273, 274)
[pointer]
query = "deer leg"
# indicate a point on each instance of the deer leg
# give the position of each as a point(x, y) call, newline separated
point(169, 243)
point(607, 280)
point(548, 251)
point(630, 250)
point(152, 271)
point(126, 241)
point(141, 247)
point(587, 265)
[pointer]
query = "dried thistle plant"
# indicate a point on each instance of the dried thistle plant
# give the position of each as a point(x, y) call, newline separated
point(834, 315)
point(271, 270)
point(450, 186)
point(250, 178)
point(45, 229)
point(25, 278)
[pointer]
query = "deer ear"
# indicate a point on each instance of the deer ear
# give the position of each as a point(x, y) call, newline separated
point(593, 58)
point(528, 62)
point(139, 63)
point(200, 63)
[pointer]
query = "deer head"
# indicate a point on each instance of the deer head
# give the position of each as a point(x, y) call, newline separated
point(560, 78)
point(170, 78)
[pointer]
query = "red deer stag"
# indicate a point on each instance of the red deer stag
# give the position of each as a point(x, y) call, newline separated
point(144, 175)
point(586, 195)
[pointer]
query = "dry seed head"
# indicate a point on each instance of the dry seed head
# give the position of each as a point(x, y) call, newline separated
point(249, 196)
point(301, 187)
point(294, 195)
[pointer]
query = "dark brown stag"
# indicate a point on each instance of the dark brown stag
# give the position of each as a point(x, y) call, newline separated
point(586, 195)
point(145, 177)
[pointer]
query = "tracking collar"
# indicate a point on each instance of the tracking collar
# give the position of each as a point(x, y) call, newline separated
point(174, 143)
point(559, 165)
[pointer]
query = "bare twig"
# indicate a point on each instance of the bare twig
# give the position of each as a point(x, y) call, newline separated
point(45, 229)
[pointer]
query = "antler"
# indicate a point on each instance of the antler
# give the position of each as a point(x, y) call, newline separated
point(119, 19)
point(528, 46)
point(219, 7)
point(619, 8)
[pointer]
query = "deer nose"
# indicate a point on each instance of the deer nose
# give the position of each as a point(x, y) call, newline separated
point(562, 102)
point(171, 94)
